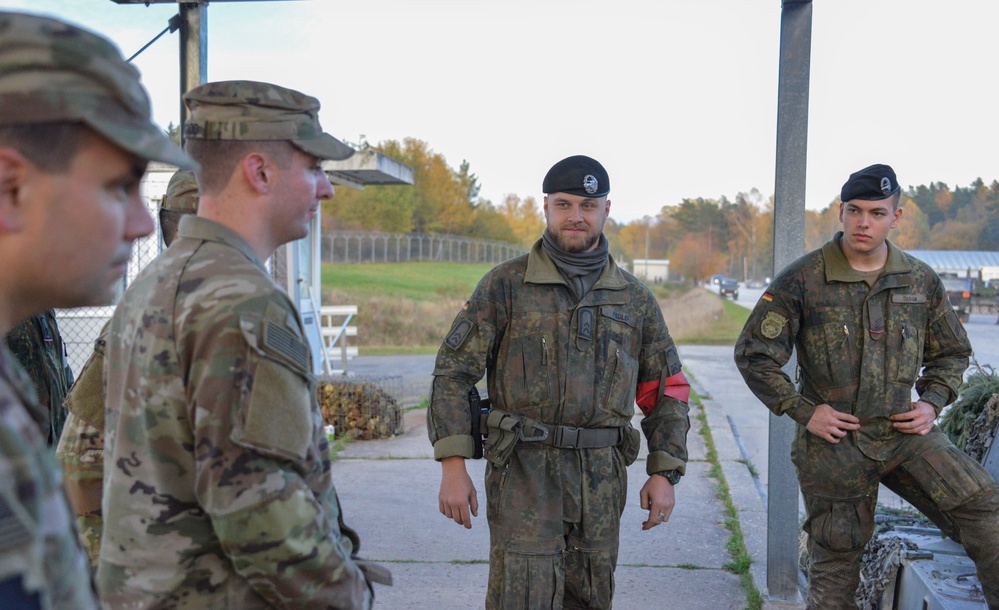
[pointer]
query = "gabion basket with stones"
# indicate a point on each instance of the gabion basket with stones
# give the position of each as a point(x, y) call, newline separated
point(362, 408)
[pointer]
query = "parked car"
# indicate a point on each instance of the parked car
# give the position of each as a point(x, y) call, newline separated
point(959, 292)
point(755, 283)
point(729, 287)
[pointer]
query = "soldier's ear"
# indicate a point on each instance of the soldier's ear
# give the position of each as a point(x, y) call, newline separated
point(257, 172)
point(896, 216)
point(13, 173)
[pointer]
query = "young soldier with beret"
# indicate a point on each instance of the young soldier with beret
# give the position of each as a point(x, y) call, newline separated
point(218, 491)
point(569, 342)
point(75, 138)
point(868, 322)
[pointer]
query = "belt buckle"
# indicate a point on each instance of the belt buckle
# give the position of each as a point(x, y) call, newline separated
point(566, 437)
point(533, 426)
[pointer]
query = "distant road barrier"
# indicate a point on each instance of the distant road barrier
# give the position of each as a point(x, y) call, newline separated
point(376, 247)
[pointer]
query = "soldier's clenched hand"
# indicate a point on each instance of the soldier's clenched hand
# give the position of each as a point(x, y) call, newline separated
point(659, 497)
point(918, 420)
point(830, 424)
point(457, 497)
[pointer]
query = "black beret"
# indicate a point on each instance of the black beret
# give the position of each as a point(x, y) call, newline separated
point(577, 175)
point(870, 184)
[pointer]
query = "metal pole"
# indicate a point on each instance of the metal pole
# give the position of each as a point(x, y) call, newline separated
point(193, 52)
point(789, 244)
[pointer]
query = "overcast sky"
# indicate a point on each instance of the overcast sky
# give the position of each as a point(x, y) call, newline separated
point(677, 98)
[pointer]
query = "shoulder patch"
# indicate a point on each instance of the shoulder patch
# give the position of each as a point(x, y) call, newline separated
point(586, 324)
point(456, 338)
point(279, 340)
point(772, 325)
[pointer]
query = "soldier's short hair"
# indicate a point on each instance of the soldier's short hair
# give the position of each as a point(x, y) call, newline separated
point(219, 158)
point(50, 146)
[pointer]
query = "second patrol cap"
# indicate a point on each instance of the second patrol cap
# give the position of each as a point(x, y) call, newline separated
point(181, 194)
point(872, 183)
point(54, 72)
point(250, 110)
point(577, 175)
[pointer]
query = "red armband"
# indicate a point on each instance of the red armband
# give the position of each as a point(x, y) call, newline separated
point(677, 387)
point(646, 395)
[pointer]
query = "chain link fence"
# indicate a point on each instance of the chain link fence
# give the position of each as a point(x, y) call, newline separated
point(377, 247)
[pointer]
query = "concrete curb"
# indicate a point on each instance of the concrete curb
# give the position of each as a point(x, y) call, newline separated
point(746, 491)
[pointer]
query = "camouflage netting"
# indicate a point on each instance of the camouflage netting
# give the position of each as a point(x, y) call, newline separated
point(960, 420)
point(879, 569)
point(361, 408)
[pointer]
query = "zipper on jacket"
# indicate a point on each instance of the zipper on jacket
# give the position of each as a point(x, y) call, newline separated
point(544, 351)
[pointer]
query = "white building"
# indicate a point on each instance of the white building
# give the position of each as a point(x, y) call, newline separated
point(651, 269)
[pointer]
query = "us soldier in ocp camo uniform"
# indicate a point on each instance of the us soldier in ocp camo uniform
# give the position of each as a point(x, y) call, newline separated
point(569, 341)
point(75, 138)
point(81, 446)
point(38, 347)
point(218, 491)
point(868, 322)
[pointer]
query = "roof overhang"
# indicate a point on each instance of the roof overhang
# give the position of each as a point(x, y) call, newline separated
point(368, 168)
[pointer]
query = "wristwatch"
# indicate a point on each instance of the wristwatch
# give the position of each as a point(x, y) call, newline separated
point(673, 476)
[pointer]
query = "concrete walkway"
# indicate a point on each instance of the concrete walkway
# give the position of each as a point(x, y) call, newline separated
point(388, 489)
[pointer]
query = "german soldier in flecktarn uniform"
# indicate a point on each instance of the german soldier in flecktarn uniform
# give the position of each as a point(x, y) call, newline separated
point(75, 139)
point(569, 343)
point(38, 347)
point(869, 321)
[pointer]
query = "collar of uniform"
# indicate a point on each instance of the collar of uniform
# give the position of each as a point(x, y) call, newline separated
point(838, 269)
point(195, 227)
point(541, 270)
point(897, 263)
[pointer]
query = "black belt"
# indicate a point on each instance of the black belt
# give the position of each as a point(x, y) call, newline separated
point(569, 437)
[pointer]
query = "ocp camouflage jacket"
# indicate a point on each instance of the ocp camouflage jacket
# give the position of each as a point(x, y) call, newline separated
point(859, 350)
point(557, 361)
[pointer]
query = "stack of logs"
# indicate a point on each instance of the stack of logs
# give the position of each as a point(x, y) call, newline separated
point(359, 409)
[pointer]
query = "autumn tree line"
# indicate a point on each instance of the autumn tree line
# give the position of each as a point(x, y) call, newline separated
point(699, 236)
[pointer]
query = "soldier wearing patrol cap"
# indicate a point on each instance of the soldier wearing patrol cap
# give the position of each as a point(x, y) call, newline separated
point(218, 489)
point(75, 138)
point(868, 322)
point(81, 446)
point(569, 343)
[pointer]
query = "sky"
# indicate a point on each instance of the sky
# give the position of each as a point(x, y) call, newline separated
point(676, 98)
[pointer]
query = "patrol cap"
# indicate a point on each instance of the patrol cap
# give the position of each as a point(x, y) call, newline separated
point(577, 175)
point(181, 194)
point(872, 183)
point(250, 110)
point(52, 71)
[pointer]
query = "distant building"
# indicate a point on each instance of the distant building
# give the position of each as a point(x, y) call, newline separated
point(651, 269)
point(962, 263)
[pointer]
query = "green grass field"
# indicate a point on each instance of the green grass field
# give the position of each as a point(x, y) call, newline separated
point(412, 281)
point(726, 330)
point(407, 308)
